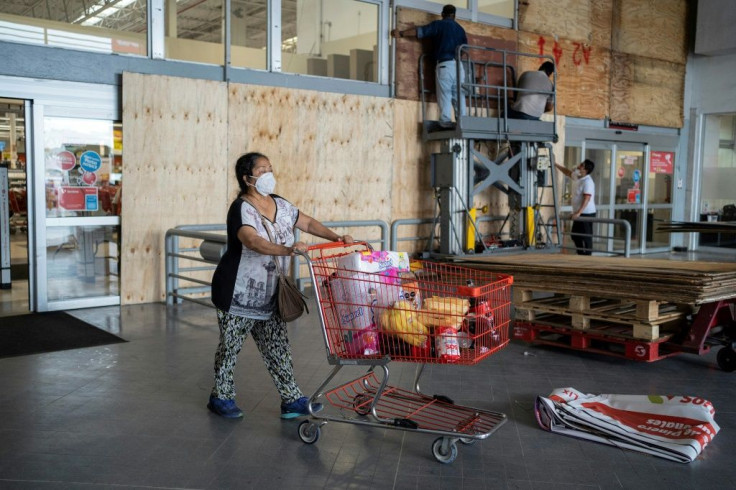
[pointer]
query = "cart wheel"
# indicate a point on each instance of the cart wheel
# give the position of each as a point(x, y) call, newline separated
point(468, 441)
point(308, 432)
point(727, 359)
point(362, 404)
point(442, 455)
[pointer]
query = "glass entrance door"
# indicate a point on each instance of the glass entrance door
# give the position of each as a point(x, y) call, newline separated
point(80, 177)
point(73, 175)
point(633, 182)
point(627, 191)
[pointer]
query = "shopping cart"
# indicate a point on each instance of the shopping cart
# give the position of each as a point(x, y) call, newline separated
point(421, 312)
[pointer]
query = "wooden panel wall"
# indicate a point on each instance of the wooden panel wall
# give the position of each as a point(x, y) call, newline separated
point(647, 91)
point(651, 29)
point(577, 34)
point(412, 195)
point(584, 37)
point(174, 147)
point(585, 21)
point(583, 73)
point(332, 154)
point(649, 47)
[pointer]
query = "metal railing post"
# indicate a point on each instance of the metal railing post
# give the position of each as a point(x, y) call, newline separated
point(627, 232)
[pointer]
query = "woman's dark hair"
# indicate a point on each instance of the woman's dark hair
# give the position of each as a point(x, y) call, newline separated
point(547, 67)
point(244, 168)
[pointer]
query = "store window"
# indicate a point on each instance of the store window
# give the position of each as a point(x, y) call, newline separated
point(194, 30)
point(717, 195)
point(487, 11)
point(90, 25)
point(499, 8)
point(719, 165)
point(331, 38)
point(249, 33)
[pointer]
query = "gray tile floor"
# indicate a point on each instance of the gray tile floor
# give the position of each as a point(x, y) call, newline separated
point(133, 415)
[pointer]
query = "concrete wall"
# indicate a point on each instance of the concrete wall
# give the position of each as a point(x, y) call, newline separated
point(715, 35)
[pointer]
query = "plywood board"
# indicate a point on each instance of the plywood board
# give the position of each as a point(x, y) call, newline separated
point(647, 91)
point(409, 50)
point(332, 154)
point(412, 194)
point(583, 73)
point(653, 29)
point(677, 282)
point(174, 171)
point(585, 21)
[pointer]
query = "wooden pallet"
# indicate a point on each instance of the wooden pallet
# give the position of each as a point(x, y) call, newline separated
point(643, 318)
point(610, 340)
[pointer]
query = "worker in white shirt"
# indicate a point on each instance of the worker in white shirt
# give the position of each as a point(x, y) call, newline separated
point(583, 204)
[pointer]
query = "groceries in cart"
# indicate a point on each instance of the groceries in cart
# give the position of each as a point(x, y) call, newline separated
point(379, 303)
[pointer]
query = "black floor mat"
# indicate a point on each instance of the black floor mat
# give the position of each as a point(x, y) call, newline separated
point(47, 332)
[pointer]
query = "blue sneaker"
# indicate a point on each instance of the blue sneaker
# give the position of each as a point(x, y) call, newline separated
point(298, 408)
point(224, 408)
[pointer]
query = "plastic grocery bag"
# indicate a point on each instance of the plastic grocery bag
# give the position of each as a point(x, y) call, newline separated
point(672, 427)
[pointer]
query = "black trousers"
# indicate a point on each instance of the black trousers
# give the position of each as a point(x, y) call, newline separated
point(582, 234)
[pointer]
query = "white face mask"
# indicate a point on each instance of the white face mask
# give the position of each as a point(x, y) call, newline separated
point(576, 174)
point(265, 184)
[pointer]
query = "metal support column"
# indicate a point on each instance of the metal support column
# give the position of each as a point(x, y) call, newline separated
point(450, 179)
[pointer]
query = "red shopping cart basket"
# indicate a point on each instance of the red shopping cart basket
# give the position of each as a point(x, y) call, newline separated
point(418, 311)
point(376, 307)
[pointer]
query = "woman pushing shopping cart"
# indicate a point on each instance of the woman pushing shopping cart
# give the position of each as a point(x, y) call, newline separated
point(376, 307)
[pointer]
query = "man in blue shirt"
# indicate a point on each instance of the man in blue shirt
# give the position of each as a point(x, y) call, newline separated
point(447, 35)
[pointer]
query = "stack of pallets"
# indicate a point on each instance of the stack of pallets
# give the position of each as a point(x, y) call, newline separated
point(630, 298)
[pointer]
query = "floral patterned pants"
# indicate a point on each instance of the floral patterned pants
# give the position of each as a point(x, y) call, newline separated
point(273, 343)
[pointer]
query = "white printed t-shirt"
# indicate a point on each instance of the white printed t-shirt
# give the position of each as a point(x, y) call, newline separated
point(245, 281)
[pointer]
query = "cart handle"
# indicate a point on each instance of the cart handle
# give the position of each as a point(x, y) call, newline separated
point(340, 244)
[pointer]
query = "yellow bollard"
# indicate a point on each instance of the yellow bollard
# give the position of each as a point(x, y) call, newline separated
point(530, 232)
point(470, 243)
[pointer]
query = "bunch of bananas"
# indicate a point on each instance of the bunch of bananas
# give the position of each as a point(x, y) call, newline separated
point(403, 321)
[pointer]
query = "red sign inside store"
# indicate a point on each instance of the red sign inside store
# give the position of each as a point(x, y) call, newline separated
point(66, 160)
point(661, 162)
point(78, 198)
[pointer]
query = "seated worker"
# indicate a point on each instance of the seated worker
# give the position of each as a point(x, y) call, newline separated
point(530, 105)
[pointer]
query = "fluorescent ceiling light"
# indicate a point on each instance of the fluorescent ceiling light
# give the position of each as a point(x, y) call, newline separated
point(102, 9)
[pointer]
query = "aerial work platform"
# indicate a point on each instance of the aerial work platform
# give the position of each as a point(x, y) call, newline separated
point(522, 167)
point(492, 128)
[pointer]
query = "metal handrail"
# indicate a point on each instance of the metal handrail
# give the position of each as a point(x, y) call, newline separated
point(173, 253)
point(388, 237)
point(396, 224)
point(627, 233)
point(174, 273)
